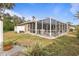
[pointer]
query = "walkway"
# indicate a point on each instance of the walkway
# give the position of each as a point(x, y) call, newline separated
point(16, 51)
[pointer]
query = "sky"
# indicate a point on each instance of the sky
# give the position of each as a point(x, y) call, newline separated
point(63, 12)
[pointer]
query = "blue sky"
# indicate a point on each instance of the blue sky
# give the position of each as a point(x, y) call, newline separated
point(61, 11)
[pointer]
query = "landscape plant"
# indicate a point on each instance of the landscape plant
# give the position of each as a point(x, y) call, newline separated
point(7, 45)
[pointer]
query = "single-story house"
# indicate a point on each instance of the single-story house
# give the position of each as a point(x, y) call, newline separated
point(47, 28)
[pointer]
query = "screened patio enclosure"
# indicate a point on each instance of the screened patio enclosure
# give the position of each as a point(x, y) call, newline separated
point(47, 27)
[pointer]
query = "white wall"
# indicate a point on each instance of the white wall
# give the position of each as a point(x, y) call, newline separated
point(1, 34)
point(19, 28)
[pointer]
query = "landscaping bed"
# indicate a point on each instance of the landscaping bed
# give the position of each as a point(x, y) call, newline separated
point(34, 45)
point(7, 45)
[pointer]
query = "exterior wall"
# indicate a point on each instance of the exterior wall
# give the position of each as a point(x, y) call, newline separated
point(19, 29)
point(31, 27)
point(26, 28)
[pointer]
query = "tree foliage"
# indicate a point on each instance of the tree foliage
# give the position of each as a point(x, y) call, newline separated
point(77, 30)
point(4, 6)
point(77, 15)
point(7, 24)
point(10, 21)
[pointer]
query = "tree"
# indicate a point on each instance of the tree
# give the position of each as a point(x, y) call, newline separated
point(17, 20)
point(33, 17)
point(7, 24)
point(4, 6)
point(9, 21)
point(77, 16)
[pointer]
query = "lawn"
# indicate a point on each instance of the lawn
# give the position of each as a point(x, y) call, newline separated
point(26, 39)
point(65, 45)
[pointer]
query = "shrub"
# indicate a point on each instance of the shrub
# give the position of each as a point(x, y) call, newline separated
point(77, 32)
point(7, 45)
point(7, 42)
point(71, 30)
point(36, 50)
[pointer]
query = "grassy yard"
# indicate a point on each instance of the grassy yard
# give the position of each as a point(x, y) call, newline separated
point(26, 39)
point(65, 45)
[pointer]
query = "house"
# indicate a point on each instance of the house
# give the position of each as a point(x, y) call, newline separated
point(47, 28)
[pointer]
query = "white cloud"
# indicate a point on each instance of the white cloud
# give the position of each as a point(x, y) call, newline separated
point(74, 8)
point(12, 13)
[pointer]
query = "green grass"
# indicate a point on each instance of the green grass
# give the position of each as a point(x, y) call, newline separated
point(65, 45)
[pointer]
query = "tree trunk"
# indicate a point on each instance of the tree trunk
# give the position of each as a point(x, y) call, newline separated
point(1, 35)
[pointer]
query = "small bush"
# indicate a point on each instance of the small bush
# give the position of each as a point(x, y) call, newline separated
point(77, 32)
point(7, 45)
point(36, 50)
point(71, 30)
point(7, 42)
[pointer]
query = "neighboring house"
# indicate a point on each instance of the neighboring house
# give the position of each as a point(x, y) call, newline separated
point(47, 28)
